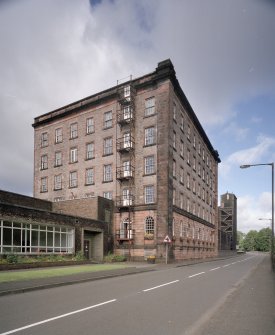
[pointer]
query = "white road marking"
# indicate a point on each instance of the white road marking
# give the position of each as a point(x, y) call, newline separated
point(226, 265)
point(57, 317)
point(215, 268)
point(155, 287)
point(196, 274)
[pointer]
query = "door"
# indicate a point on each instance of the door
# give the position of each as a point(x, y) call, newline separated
point(126, 169)
point(127, 201)
point(87, 249)
point(127, 141)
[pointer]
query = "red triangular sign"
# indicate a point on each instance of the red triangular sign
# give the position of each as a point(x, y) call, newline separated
point(167, 239)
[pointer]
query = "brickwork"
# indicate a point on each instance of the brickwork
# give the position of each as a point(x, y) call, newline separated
point(183, 177)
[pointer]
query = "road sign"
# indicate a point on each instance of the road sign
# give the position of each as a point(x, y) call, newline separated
point(167, 239)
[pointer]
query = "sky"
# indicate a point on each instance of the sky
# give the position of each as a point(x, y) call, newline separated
point(54, 52)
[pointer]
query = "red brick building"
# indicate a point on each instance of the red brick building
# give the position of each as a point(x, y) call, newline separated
point(141, 145)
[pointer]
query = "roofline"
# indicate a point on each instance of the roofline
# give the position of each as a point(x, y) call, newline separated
point(164, 70)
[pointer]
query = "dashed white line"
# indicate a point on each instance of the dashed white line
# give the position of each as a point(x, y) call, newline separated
point(226, 265)
point(196, 274)
point(215, 268)
point(57, 317)
point(155, 287)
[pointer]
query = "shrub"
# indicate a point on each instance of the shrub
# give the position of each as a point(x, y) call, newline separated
point(12, 259)
point(114, 258)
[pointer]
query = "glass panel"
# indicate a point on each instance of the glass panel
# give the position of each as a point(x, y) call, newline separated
point(42, 239)
point(34, 238)
point(57, 239)
point(49, 239)
point(7, 224)
point(16, 225)
point(63, 240)
point(17, 237)
point(6, 236)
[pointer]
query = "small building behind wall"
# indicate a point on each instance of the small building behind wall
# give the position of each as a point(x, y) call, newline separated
point(30, 226)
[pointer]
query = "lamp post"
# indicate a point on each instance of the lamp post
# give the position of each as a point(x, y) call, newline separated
point(272, 206)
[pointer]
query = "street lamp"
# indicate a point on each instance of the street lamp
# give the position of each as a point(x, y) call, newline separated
point(245, 166)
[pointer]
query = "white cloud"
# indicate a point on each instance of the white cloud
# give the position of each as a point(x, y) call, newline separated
point(250, 209)
point(56, 52)
point(253, 155)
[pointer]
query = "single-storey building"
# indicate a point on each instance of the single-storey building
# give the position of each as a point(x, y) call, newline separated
point(31, 226)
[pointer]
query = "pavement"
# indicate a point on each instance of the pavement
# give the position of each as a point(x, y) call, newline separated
point(132, 268)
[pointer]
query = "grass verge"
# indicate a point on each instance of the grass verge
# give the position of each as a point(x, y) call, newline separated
point(8, 276)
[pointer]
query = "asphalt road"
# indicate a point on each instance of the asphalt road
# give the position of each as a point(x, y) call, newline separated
point(169, 301)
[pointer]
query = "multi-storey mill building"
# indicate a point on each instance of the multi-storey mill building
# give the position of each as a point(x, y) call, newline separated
point(141, 145)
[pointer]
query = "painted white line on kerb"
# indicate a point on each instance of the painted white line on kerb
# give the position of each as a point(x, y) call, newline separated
point(155, 287)
point(57, 317)
point(215, 268)
point(197, 274)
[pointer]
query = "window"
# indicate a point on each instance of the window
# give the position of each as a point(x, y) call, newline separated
point(188, 132)
point(58, 182)
point(90, 126)
point(107, 173)
point(181, 148)
point(108, 146)
point(108, 120)
point(150, 136)
point(25, 238)
point(150, 106)
point(149, 225)
point(89, 176)
point(73, 131)
point(127, 142)
point(127, 113)
point(127, 171)
point(188, 157)
point(73, 179)
point(73, 155)
point(149, 165)
point(149, 194)
point(194, 141)
point(174, 112)
point(174, 169)
point(181, 201)
point(181, 122)
point(126, 91)
point(44, 184)
point(44, 162)
point(194, 163)
point(90, 151)
point(58, 159)
point(127, 197)
point(108, 195)
point(194, 186)
point(174, 140)
point(174, 197)
point(188, 181)
point(181, 175)
point(58, 135)
point(44, 140)
point(188, 205)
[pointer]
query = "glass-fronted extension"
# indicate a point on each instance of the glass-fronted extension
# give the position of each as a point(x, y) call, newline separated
point(29, 238)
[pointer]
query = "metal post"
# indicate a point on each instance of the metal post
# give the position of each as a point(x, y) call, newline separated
point(272, 219)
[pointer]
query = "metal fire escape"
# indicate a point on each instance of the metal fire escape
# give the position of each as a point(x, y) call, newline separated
point(125, 169)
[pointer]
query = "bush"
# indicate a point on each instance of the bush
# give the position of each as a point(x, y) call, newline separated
point(110, 258)
point(79, 256)
point(12, 259)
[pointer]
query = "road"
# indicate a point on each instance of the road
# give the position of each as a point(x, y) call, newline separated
point(168, 301)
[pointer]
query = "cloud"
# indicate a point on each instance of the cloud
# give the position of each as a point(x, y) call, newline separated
point(250, 209)
point(254, 155)
point(56, 52)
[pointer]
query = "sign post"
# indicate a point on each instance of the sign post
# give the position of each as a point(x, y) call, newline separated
point(166, 241)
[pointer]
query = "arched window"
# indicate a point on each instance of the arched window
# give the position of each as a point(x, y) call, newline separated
point(149, 225)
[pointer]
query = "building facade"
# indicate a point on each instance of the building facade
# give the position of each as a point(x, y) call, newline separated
point(30, 226)
point(228, 222)
point(141, 145)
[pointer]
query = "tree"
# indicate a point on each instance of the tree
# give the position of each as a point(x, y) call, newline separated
point(240, 237)
point(249, 242)
point(263, 239)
